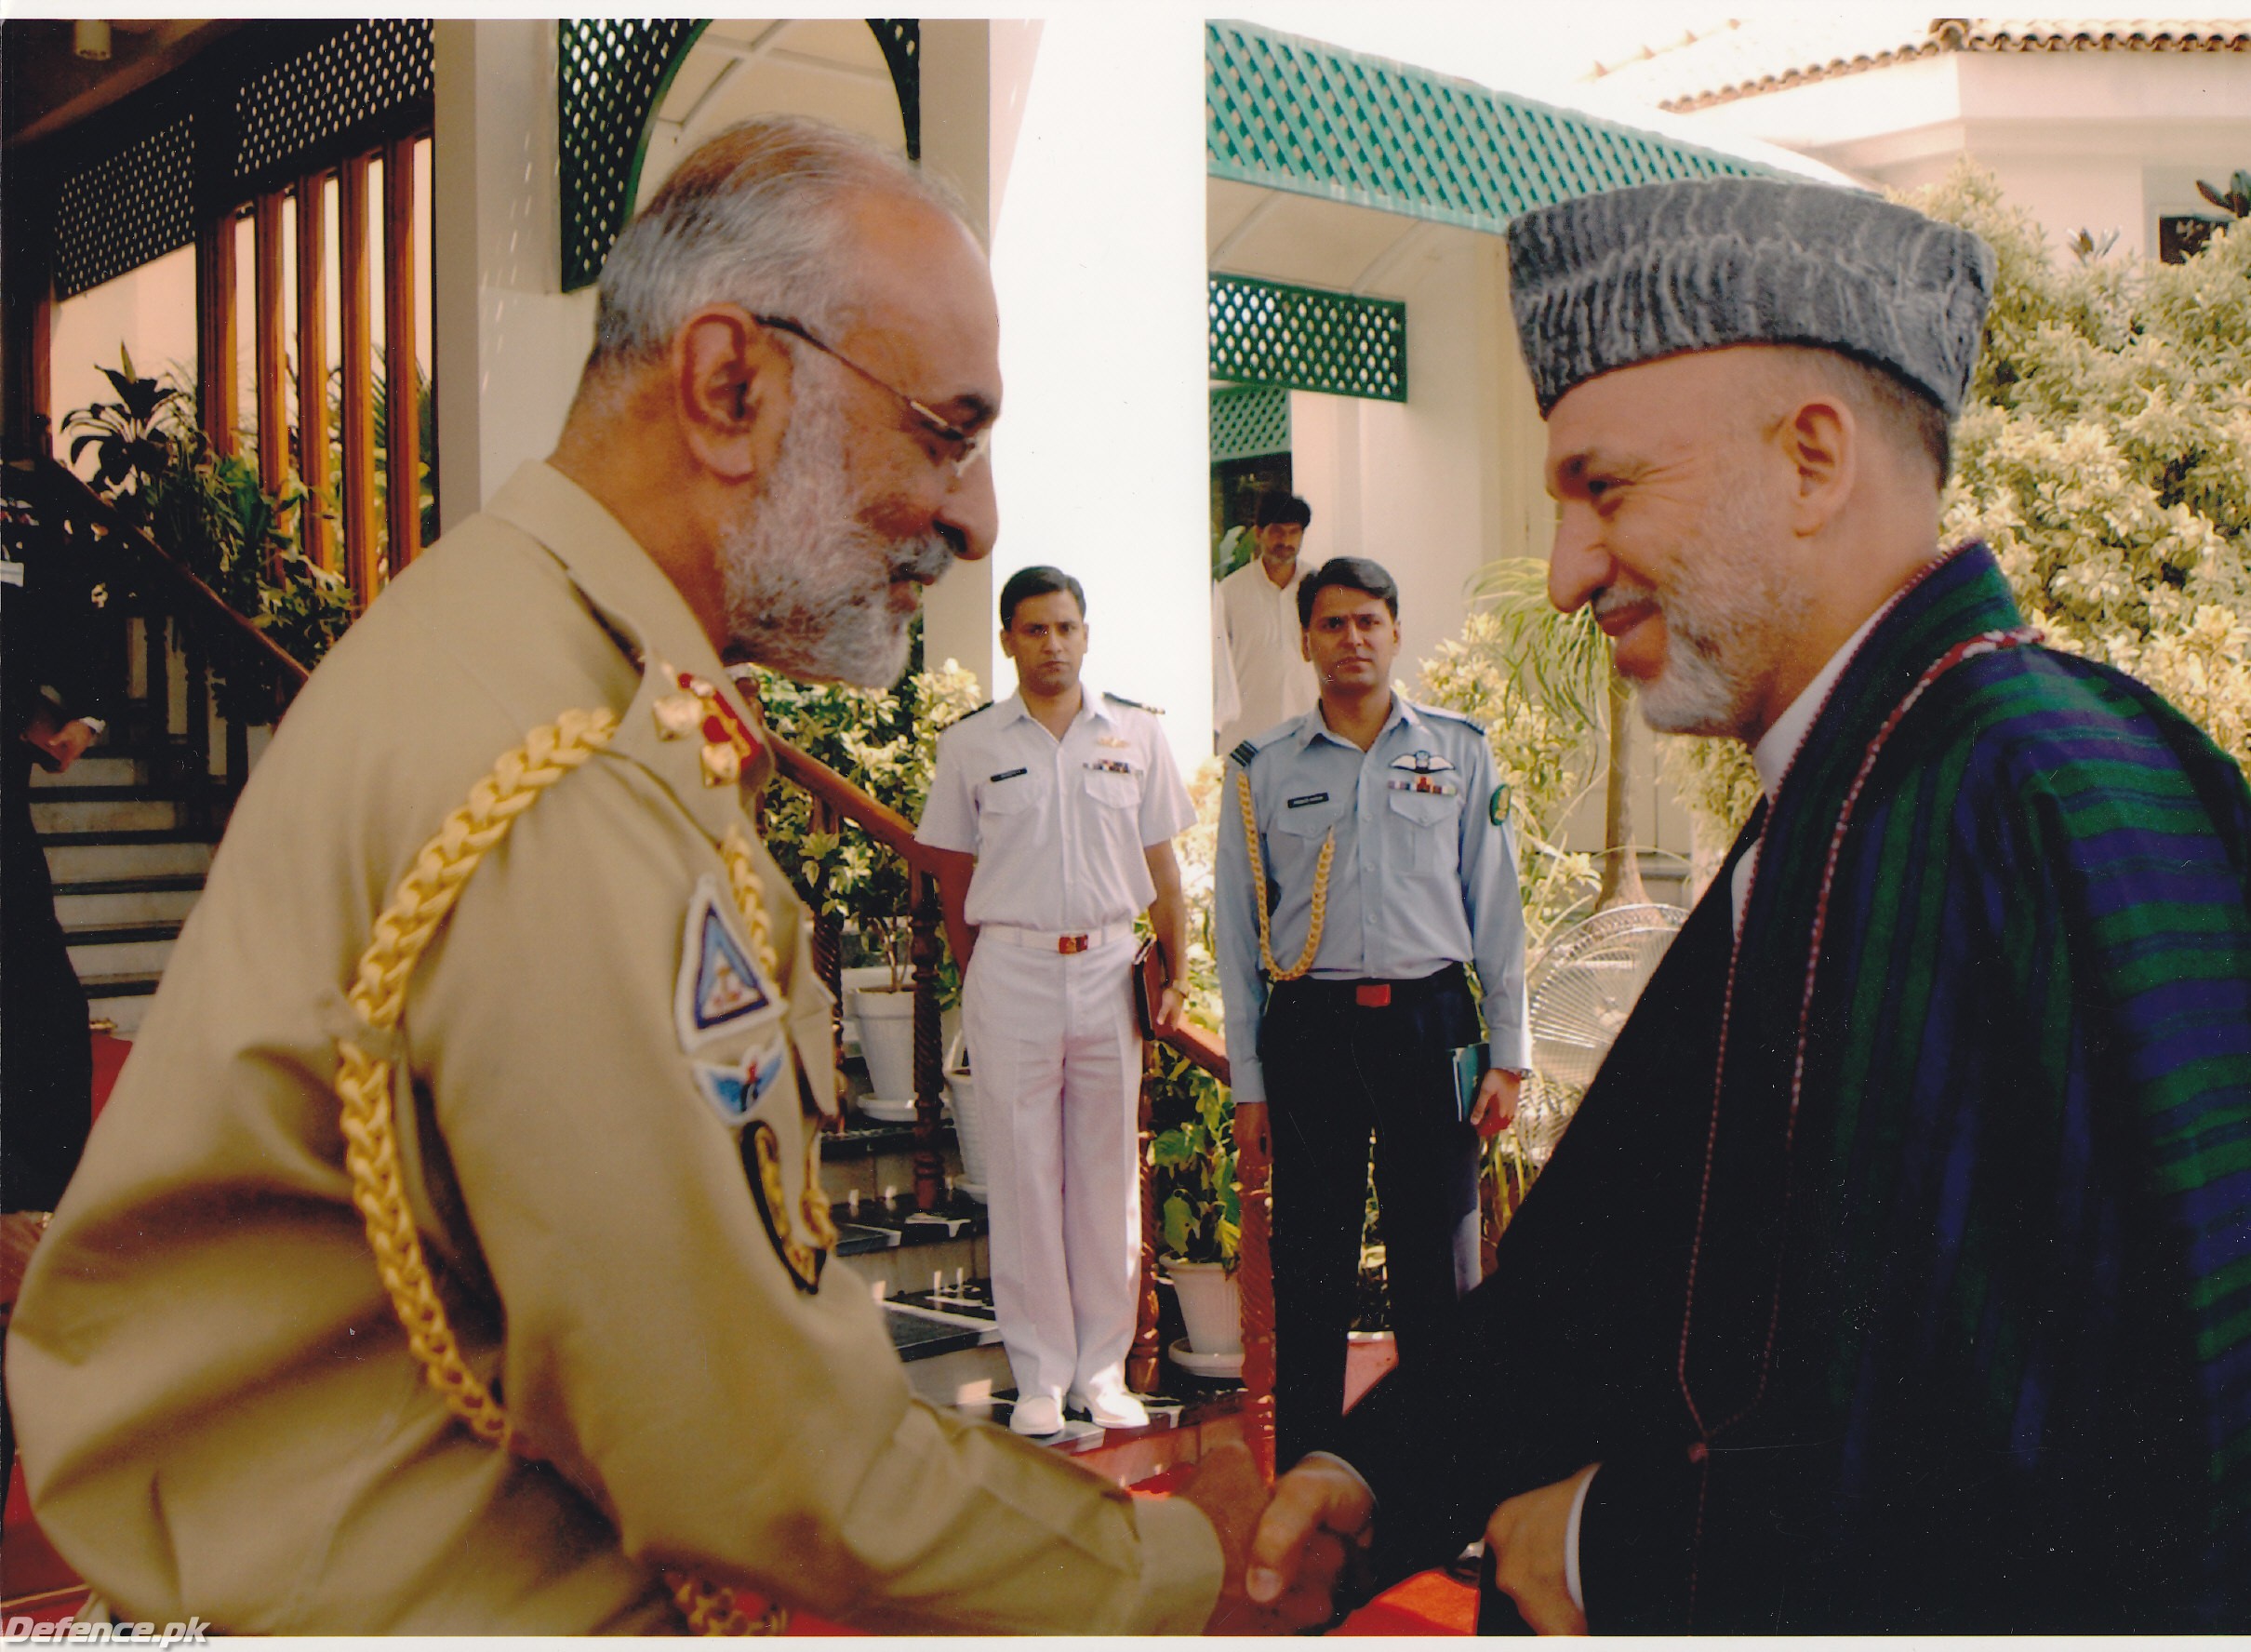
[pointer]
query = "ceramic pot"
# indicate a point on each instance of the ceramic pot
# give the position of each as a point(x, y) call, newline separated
point(887, 1041)
point(1210, 1305)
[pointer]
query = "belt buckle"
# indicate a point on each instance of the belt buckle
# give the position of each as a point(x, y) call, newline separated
point(1070, 943)
point(1372, 994)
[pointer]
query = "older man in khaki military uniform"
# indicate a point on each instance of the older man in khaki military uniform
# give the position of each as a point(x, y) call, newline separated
point(552, 1088)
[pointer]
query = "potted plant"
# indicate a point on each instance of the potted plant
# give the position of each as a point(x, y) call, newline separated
point(1200, 1210)
point(156, 466)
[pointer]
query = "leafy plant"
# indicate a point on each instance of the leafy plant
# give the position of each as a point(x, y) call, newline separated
point(885, 740)
point(1200, 1207)
point(124, 434)
point(1235, 548)
point(209, 511)
point(2235, 198)
point(1531, 682)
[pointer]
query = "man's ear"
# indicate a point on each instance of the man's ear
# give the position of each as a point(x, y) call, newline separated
point(1305, 642)
point(1820, 441)
point(1007, 642)
point(731, 387)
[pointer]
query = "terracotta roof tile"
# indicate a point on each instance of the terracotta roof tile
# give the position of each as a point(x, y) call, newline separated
point(1745, 58)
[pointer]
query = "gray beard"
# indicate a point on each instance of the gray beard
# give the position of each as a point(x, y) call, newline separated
point(1725, 628)
point(807, 584)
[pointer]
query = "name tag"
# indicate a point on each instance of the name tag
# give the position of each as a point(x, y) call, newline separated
point(1310, 798)
point(1011, 774)
point(1109, 766)
point(1424, 783)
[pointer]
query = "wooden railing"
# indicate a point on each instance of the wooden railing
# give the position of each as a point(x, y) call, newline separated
point(180, 617)
point(845, 801)
point(1254, 1261)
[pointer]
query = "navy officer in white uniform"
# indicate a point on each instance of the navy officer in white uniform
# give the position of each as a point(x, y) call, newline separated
point(1384, 864)
point(1053, 813)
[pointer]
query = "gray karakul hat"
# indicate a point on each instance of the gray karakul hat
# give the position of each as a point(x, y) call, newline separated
point(1611, 280)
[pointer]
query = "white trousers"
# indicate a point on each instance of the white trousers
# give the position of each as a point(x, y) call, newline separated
point(1058, 1062)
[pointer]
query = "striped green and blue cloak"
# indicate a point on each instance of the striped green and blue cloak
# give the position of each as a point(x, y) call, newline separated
point(1968, 1344)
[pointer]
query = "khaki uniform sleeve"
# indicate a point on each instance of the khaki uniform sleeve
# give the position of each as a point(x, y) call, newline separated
point(658, 1352)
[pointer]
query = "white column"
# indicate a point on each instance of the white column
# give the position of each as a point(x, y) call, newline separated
point(957, 101)
point(1103, 459)
point(508, 341)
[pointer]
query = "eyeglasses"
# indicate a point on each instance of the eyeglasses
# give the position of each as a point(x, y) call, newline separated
point(971, 445)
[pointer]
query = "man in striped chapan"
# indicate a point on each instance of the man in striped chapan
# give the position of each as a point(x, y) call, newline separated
point(1896, 1272)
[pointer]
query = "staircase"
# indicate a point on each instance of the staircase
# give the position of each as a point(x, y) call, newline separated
point(932, 1274)
point(127, 853)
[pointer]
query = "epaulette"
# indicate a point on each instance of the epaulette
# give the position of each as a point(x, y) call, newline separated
point(1243, 753)
point(964, 716)
point(1137, 705)
point(1451, 717)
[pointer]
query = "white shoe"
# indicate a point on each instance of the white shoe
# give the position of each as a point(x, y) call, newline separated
point(1036, 1415)
point(1110, 1404)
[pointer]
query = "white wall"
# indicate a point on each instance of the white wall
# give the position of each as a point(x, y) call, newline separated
point(509, 342)
point(1437, 486)
point(965, 91)
point(1102, 457)
point(2095, 140)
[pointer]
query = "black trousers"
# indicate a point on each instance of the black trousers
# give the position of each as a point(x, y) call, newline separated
point(46, 1062)
point(1336, 1073)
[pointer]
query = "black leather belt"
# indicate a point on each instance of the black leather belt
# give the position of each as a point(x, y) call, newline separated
point(1377, 995)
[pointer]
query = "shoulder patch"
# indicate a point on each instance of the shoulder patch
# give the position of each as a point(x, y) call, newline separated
point(720, 989)
point(1450, 716)
point(1137, 705)
point(966, 717)
point(734, 1090)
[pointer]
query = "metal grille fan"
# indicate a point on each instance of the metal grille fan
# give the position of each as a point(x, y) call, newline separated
point(1583, 989)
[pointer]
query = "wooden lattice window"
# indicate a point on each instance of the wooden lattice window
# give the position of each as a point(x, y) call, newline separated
point(296, 163)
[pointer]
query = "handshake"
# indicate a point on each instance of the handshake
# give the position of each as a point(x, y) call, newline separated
point(1286, 1549)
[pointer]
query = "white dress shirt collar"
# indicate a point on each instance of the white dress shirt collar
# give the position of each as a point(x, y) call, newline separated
point(1777, 748)
point(1091, 704)
point(1779, 744)
point(1314, 725)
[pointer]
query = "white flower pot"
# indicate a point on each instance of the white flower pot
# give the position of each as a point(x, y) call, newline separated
point(1210, 1304)
point(887, 1041)
point(968, 1124)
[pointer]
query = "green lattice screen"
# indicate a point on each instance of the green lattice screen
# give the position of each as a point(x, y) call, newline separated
point(1300, 337)
point(1248, 420)
point(611, 75)
point(344, 82)
point(126, 208)
point(901, 40)
point(1294, 115)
